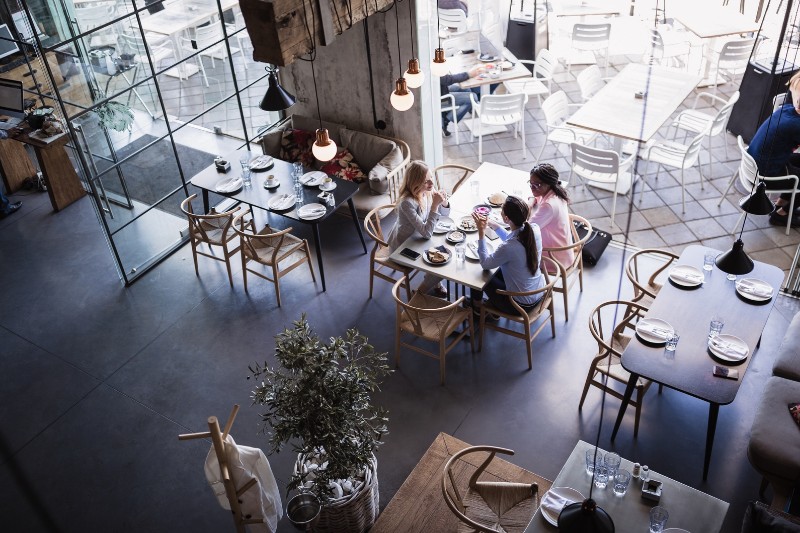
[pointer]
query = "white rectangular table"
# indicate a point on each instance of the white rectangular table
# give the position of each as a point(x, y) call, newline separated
point(491, 178)
point(688, 508)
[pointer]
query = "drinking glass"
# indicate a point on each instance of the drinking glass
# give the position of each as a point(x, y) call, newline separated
point(658, 519)
point(298, 192)
point(715, 327)
point(672, 341)
point(475, 187)
point(246, 178)
point(297, 170)
point(244, 159)
point(621, 480)
point(612, 461)
point(600, 476)
point(590, 461)
point(461, 252)
point(708, 261)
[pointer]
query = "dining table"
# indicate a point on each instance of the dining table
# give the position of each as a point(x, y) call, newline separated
point(633, 106)
point(257, 195)
point(489, 178)
point(689, 311)
point(689, 509)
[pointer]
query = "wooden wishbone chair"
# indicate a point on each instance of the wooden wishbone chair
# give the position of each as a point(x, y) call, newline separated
point(380, 265)
point(575, 270)
point(462, 172)
point(648, 261)
point(214, 229)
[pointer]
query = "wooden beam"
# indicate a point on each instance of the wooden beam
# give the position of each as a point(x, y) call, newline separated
point(278, 29)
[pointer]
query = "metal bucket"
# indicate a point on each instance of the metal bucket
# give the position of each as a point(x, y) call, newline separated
point(303, 511)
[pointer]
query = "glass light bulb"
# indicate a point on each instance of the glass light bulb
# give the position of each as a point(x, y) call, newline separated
point(324, 153)
point(402, 102)
point(439, 69)
point(414, 80)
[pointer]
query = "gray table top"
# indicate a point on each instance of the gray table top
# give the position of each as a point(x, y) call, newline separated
point(689, 509)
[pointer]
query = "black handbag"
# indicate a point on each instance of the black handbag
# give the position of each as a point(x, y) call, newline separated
point(594, 247)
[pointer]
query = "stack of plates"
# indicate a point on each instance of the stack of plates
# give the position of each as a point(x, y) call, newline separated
point(654, 330)
point(686, 276)
point(313, 178)
point(284, 201)
point(754, 289)
point(728, 348)
point(312, 211)
point(229, 185)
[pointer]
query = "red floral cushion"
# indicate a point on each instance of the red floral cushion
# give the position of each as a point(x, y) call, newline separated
point(343, 166)
point(296, 146)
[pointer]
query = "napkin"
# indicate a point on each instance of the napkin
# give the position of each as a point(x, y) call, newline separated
point(309, 212)
point(312, 178)
point(554, 502)
point(686, 277)
point(284, 201)
point(229, 185)
point(655, 330)
point(444, 225)
point(756, 290)
point(726, 347)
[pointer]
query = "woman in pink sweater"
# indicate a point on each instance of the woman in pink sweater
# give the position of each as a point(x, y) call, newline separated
point(550, 211)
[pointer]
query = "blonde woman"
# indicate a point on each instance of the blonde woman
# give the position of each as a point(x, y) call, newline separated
point(419, 207)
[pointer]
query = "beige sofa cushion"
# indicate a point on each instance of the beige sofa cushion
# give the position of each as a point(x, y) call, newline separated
point(774, 447)
point(367, 149)
point(787, 360)
point(271, 142)
point(377, 176)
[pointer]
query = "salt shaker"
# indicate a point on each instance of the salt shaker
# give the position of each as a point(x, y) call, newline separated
point(636, 471)
point(644, 475)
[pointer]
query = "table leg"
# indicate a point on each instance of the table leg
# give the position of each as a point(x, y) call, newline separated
point(205, 201)
point(318, 248)
point(355, 221)
point(713, 412)
point(628, 393)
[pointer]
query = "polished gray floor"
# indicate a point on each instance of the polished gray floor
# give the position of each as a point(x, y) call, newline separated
point(99, 379)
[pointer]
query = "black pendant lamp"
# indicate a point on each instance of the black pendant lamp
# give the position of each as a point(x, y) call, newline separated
point(757, 203)
point(276, 99)
point(585, 517)
point(735, 261)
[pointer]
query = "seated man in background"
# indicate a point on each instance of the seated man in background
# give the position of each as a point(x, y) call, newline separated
point(454, 4)
point(449, 84)
point(773, 148)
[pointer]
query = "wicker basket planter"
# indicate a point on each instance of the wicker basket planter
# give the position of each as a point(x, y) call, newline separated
point(352, 513)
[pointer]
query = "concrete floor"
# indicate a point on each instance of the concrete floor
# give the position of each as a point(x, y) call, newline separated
point(99, 380)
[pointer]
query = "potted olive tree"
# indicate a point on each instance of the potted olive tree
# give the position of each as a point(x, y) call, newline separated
point(319, 400)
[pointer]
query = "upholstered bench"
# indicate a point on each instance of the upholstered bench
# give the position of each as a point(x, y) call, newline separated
point(787, 360)
point(774, 448)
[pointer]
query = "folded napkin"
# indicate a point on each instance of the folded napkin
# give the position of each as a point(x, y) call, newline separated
point(229, 185)
point(653, 329)
point(309, 211)
point(284, 201)
point(554, 502)
point(261, 161)
point(313, 178)
point(726, 347)
point(755, 289)
point(687, 277)
point(444, 225)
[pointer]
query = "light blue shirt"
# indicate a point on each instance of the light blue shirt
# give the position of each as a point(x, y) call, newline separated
point(513, 262)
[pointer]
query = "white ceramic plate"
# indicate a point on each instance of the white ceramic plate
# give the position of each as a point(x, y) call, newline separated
point(313, 178)
point(472, 250)
point(329, 187)
point(506, 65)
point(563, 492)
point(444, 225)
point(272, 184)
point(675, 530)
point(469, 229)
point(312, 211)
point(493, 204)
point(228, 185)
point(282, 202)
point(686, 276)
point(485, 58)
point(425, 258)
point(261, 162)
point(754, 289)
point(455, 236)
point(653, 330)
point(719, 346)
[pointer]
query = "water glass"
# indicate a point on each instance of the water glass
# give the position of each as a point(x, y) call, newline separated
point(298, 192)
point(715, 327)
point(461, 252)
point(708, 261)
point(658, 519)
point(244, 159)
point(475, 187)
point(622, 479)
point(612, 461)
point(590, 461)
point(297, 170)
point(672, 341)
point(600, 476)
point(246, 178)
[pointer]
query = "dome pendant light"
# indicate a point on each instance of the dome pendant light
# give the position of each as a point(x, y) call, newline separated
point(402, 99)
point(439, 67)
point(324, 148)
point(414, 76)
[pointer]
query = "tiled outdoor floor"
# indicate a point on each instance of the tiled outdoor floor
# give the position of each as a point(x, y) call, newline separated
point(654, 218)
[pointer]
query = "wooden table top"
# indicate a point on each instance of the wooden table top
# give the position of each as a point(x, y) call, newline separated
point(419, 505)
point(689, 312)
point(688, 508)
point(491, 178)
point(464, 62)
point(615, 110)
point(708, 20)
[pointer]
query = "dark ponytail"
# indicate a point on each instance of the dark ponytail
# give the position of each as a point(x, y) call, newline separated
point(548, 175)
point(517, 212)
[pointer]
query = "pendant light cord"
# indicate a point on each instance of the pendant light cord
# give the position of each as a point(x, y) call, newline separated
point(313, 53)
point(411, 28)
point(397, 24)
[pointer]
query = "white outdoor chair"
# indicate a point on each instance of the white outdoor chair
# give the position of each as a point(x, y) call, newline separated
point(748, 175)
point(602, 168)
point(452, 109)
point(133, 42)
point(210, 41)
point(731, 59)
point(540, 82)
point(91, 17)
point(694, 121)
point(236, 25)
point(556, 110)
point(676, 155)
point(590, 81)
point(455, 19)
point(671, 52)
point(590, 38)
point(499, 110)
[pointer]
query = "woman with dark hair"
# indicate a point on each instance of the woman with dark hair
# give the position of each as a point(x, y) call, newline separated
point(550, 211)
point(517, 256)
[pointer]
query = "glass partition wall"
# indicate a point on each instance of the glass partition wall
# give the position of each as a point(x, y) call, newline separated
point(150, 92)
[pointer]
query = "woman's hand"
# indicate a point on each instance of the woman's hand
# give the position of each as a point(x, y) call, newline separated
point(481, 221)
point(436, 200)
point(445, 200)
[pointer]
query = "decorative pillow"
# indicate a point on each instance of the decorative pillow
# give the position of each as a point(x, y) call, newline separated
point(378, 184)
point(296, 146)
point(794, 408)
point(368, 149)
point(343, 166)
point(271, 143)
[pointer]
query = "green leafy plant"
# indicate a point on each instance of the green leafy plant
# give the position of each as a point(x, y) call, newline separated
point(115, 116)
point(320, 400)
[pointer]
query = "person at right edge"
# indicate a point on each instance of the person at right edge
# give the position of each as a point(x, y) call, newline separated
point(773, 148)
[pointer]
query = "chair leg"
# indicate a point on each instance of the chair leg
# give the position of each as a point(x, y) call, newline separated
point(194, 256)
point(790, 213)
point(522, 140)
point(471, 329)
point(480, 141)
point(276, 276)
point(728, 188)
point(683, 192)
point(442, 360)
point(639, 394)
point(244, 272)
point(311, 265)
point(371, 279)
point(566, 302)
point(586, 387)
point(529, 346)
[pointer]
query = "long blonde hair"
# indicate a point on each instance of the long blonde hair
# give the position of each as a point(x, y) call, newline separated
point(416, 173)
